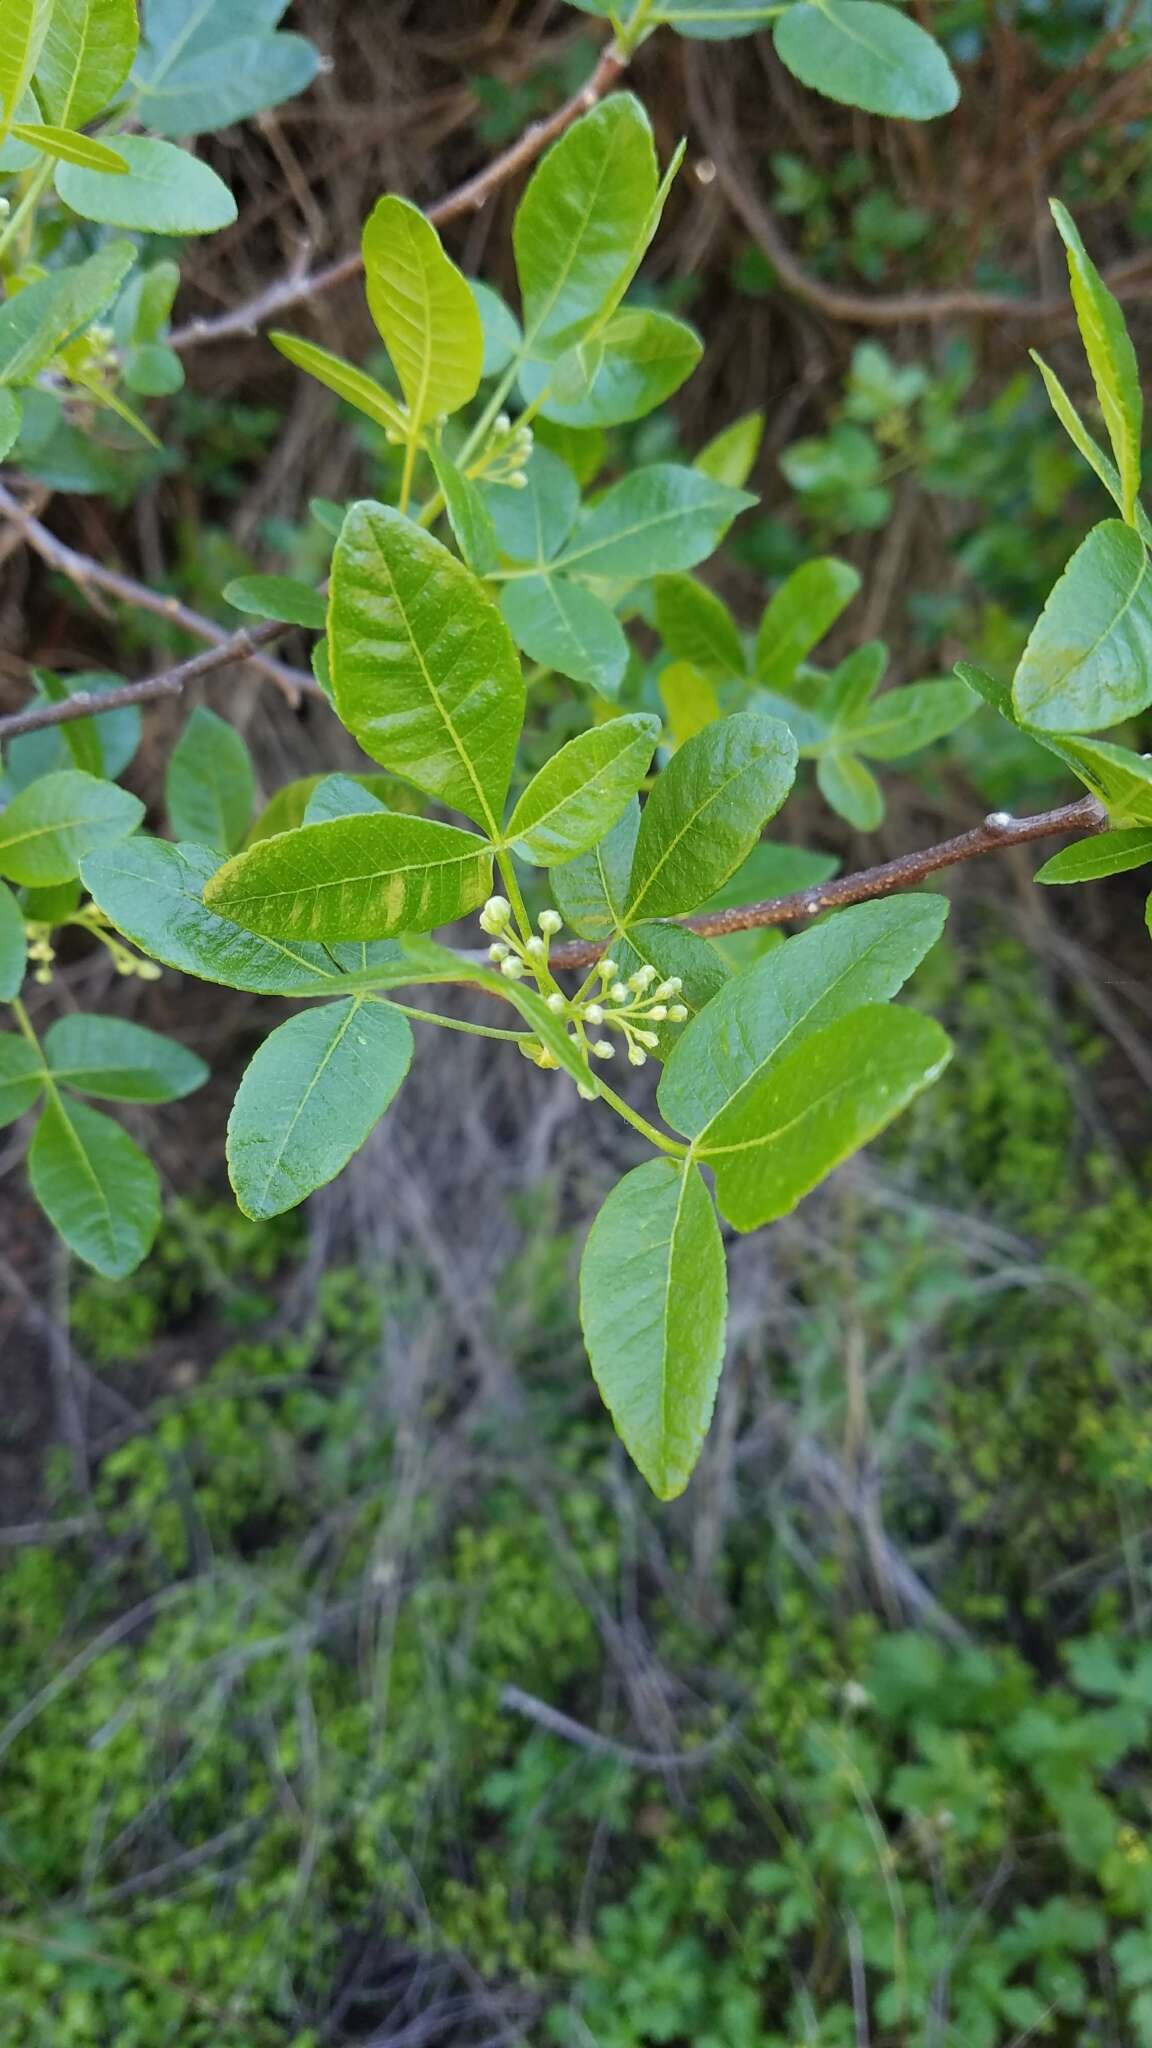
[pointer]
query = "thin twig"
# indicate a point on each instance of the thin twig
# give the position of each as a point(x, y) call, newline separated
point(295, 289)
point(556, 1723)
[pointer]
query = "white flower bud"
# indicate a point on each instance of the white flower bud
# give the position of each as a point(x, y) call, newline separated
point(497, 952)
point(648, 1038)
point(585, 1094)
point(501, 423)
point(618, 992)
point(513, 969)
point(550, 922)
point(594, 1014)
point(536, 949)
point(607, 969)
point(495, 914)
point(637, 1057)
point(557, 1004)
point(603, 1048)
point(149, 971)
point(677, 1013)
point(519, 482)
point(671, 987)
point(658, 1012)
point(642, 978)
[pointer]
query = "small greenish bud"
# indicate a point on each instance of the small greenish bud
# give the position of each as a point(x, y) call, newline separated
point(671, 987)
point(123, 966)
point(594, 1014)
point(519, 482)
point(607, 969)
point(642, 979)
point(547, 1060)
point(557, 1004)
point(149, 971)
point(536, 949)
point(604, 1048)
point(497, 952)
point(501, 424)
point(43, 975)
point(619, 993)
point(585, 1094)
point(658, 1012)
point(677, 1014)
point(495, 915)
point(649, 1039)
point(550, 922)
point(512, 969)
point(637, 1057)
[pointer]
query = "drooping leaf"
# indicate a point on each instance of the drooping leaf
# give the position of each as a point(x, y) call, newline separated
point(902, 721)
point(86, 58)
point(120, 1062)
point(579, 794)
point(424, 669)
point(867, 55)
point(95, 1186)
point(339, 796)
point(238, 77)
point(210, 787)
point(707, 810)
point(46, 831)
point(1106, 853)
point(697, 626)
point(354, 878)
point(590, 892)
point(1111, 358)
point(584, 223)
point(653, 1305)
point(13, 946)
point(534, 521)
point(69, 148)
point(310, 1097)
point(805, 607)
point(566, 627)
point(690, 700)
point(279, 597)
point(21, 1077)
point(165, 191)
point(633, 365)
point(863, 955)
point(468, 515)
point(730, 456)
point(851, 789)
point(424, 310)
point(1088, 662)
point(661, 518)
point(354, 386)
point(813, 1108)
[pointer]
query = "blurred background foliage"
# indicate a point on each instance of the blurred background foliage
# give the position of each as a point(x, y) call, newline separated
point(352, 1690)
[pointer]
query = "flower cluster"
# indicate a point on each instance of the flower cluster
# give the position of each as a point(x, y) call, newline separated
point(508, 454)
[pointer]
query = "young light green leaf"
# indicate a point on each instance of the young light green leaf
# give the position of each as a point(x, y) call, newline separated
point(354, 878)
point(868, 56)
point(707, 810)
point(86, 57)
point(1088, 662)
point(354, 386)
point(95, 1187)
point(11, 414)
point(633, 365)
point(578, 795)
point(279, 597)
point(1107, 853)
point(120, 1062)
point(210, 787)
point(590, 891)
point(807, 1113)
point(311, 1096)
point(653, 1305)
point(660, 518)
point(1111, 358)
point(697, 626)
point(46, 831)
point(165, 191)
point(237, 78)
point(1118, 778)
point(730, 456)
point(23, 27)
point(21, 1077)
point(1093, 454)
point(424, 669)
point(533, 522)
point(468, 515)
point(566, 627)
point(584, 223)
point(902, 721)
point(851, 789)
point(862, 955)
point(13, 946)
point(339, 796)
point(69, 148)
point(804, 608)
point(852, 684)
point(424, 310)
point(36, 323)
point(690, 700)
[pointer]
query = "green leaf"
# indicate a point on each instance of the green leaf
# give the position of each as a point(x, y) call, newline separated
point(689, 700)
point(209, 787)
point(107, 742)
point(69, 148)
point(86, 58)
point(354, 386)
point(867, 56)
point(805, 607)
point(653, 1305)
point(584, 223)
point(152, 370)
point(120, 1062)
point(423, 309)
point(13, 946)
point(772, 870)
point(279, 597)
point(534, 521)
point(36, 323)
point(697, 626)
point(315, 1090)
point(730, 456)
point(23, 27)
point(425, 672)
point(46, 831)
point(1088, 662)
point(902, 721)
point(579, 793)
point(468, 515)
point(11, 414)
point(852, 684)
point(338, 796)
point(553, 1032)
point(1078, 434)
point(1119, 779)
point(165, 191)
point(851, 789)
point(1111, 358)
point(502, 336)
point(1106, 853)
point(808, 1112)
point(95, 1187)
point(706, 812)
point(672, 949)
point(21, 1077)
point(860, 956)
point(566, 627)
point(354, 878)
point(214, 88)
point(660, 518)
point(633, 365)
point(590, 891)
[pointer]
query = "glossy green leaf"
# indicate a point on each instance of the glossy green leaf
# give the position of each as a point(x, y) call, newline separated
point(46, 831)
point(279, 597)
point(730, 456)
point(653, 1305)
point(851, 789)
point(867, 55)
point(86, 58)
point(311, 1096)
point(13, 946)
point(11, 414)
point(423, 309)
point(1088, 662)
point(590, 892)
point(69, 148)
point(673, 949)
point(36, 323)
point(566, 627)
point(354, 386)
point(860, 956)
point(772, 870)
point(805, 607)
point(1090, 449)
point(1106, 853)
point(578, 795)
point(502, 335)
point(706, 812)
point(1111, 358)
point(113, 737)
point(164, 191)
point(853, 683)
point(690, 700)
point(120, 1062)
point(239, 77)
point(152, 370)
point(902, 721)
point(95, 1187)
point(23, 27)
point(533, 522)
point(21, 1077)
point(821, 1102)
point(210, 787)
point(354, 878)
point(584, 223)
point(1118, 778)
point(339, 796)
point(584, 449)
point(697, 626)
point(468, 515)
point(425, 672)
point(656, 519)
point(633, 364)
